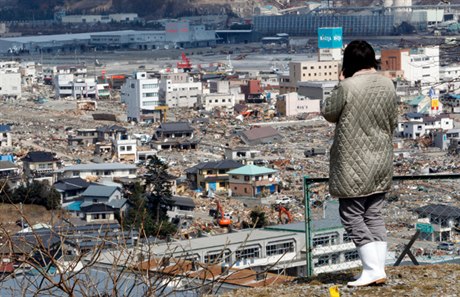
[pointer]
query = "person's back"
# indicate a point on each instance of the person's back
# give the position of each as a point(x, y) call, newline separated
point(366, 119)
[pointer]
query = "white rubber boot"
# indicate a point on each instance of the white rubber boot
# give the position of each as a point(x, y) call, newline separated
point(382, 251)
point(372, 270)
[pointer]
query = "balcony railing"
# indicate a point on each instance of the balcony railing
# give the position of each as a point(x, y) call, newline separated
point(308, 181)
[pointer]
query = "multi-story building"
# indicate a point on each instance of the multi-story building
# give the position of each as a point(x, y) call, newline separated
point(41, 165)
point(211, 176)
point(316, 89)
point(179, 90)
point(82, 137)
point(274, 248)
point(125, 148)
point(223, 102)
point(437, 222)
point(108, 133)
point(449, 73)
point(177, 135)
point(291, 104)
point(308, 71)
point(416, 129)
point(391, 62)
point(308, 24)
point(421, 65)
point(252, 181)
point(141, 95)
point(66, 85)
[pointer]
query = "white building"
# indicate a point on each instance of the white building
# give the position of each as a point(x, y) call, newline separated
point(416, 129)
point(141, 95)
point(10, 85)
point(449, 72)
point(179, 90)
point(423, 65)
point(224, 102)
point(125, 148)
point(291, 104)
point(65, 85)
point(97, 18)
point(9, 67)
point(101, 170)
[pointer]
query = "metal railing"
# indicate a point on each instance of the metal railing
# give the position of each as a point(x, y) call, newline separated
point(309, 181)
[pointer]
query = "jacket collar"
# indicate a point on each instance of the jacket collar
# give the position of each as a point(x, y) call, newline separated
point(365, 71)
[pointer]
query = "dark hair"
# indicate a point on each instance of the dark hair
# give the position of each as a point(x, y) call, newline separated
point(358, 55)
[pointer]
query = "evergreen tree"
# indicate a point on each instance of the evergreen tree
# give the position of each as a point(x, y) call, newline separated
point(158, 188)
point(39, 193)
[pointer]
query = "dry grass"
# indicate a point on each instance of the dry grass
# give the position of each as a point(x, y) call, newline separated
point(9, 214)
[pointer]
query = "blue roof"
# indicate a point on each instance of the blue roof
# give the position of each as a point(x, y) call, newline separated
point(5, 128)
point(99, 191)
point(251, 170)
point(74, 206)
point(416, 100)
point(454, 96)
point(7, 158)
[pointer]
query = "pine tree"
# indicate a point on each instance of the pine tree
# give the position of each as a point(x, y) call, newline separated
point(158, 188)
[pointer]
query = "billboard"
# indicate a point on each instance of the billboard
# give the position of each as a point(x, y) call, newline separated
point(330, 37)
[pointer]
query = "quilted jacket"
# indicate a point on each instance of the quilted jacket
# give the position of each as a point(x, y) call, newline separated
point(361, 157)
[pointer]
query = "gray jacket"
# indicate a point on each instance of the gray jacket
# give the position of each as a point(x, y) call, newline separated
point(365, 112)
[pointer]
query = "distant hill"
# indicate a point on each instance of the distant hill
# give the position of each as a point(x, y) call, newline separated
point(149, 9)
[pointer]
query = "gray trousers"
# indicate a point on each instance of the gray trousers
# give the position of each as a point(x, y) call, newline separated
point(362, 219)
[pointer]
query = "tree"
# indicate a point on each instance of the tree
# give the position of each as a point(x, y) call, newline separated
point(138, 215)
point(158, 188)
point(40, 193)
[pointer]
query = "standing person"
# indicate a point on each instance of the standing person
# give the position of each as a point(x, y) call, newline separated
point(363, 107)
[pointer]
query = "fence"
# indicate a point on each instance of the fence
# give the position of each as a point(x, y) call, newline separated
point(422, 215)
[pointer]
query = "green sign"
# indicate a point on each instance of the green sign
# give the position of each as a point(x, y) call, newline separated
point(424, 228)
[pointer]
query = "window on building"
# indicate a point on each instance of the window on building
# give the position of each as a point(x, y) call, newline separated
point(351, 256)
point(245, 190)
point(325, 239)
point(279, 248)
point(222, 184)
point(323, 261)
point(247, 253)
point(221, 171)
point(246, 178)
point(129, 148)
point(215, 257)
point(209, 172)
point(122, 148)
point(346, 237)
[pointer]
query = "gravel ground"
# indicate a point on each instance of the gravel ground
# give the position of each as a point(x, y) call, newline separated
point(410, 281)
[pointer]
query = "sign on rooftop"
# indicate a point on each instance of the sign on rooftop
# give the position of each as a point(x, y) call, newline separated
point(330, 37)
